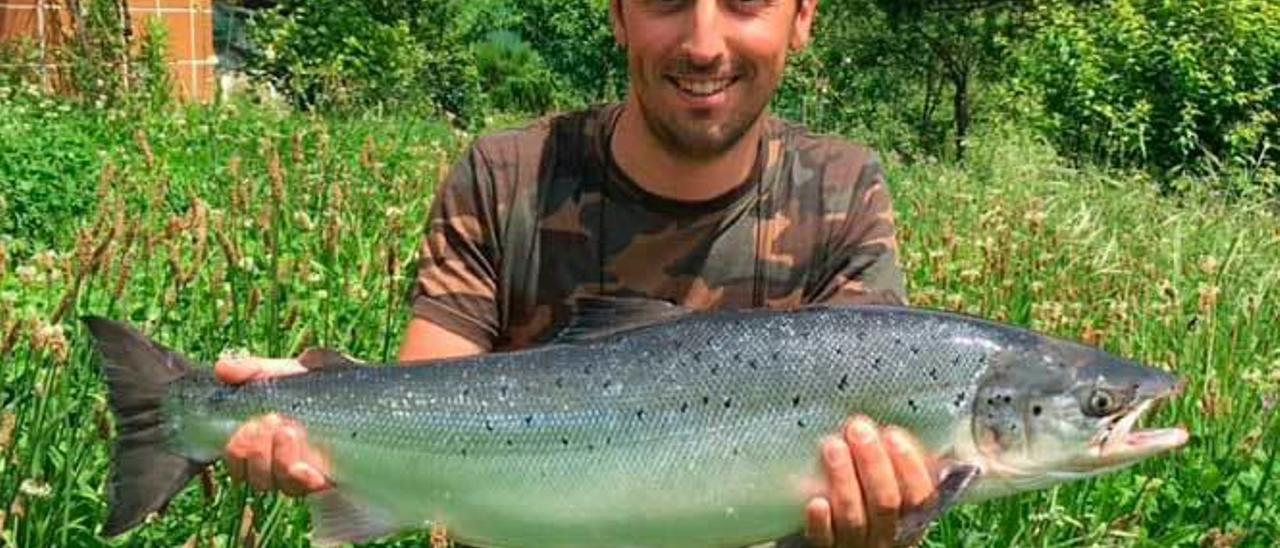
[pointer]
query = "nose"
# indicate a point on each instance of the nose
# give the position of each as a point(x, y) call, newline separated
point(705, 45)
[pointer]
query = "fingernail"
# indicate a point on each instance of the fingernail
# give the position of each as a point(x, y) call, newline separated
point(893, 438)
point(863, 430)
point(833, 448)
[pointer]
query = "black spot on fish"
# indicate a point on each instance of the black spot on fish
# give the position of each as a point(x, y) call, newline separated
point(991, 402)
point(503, 390)
point(706, 400)
point(897, 341)
point(1006, 398)
point(488, 425)
point(915, 350)
point(466, 392)
point(586, 370)
point(607, 383)
point(737, 356)
point(861, 335)
point(844, 383)
point(775, 355)
point(795, 402)
point(591, 447)
point(295, 406)
point(564, 441)
point(1036, 410)
point(528, 420)
point(464, 451)
point(715, 369)
point(608, 441)
point(353, 434)
point(684, 407)
point(839, 351)
point(752, 363)
point(559, 382)
point(956, 360)
point(509, 442)
point(933, 373)
point(912, 405)
point(728, 402)
point(735, 451)
point(640, 414)
point(800, 423)
point(697, 356)
point(875, 363)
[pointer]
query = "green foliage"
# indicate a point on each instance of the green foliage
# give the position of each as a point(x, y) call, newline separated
point(100, 63)
point(514, 75)
point(236, 227)
point(1173, 86)
point(465, 59)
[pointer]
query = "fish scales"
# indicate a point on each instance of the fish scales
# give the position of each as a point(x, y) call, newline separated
point(706, 423)
point(689, 430)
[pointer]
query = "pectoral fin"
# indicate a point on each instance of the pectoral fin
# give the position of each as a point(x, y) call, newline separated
point(339, 518)
point(955, 480)
point(316, 359)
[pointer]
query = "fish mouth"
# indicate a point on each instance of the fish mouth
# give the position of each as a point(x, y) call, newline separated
point(1118, 443)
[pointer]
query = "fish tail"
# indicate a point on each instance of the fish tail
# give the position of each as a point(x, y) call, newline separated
point(145, 471)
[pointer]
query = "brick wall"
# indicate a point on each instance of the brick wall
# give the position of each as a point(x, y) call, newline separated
point(47, 25)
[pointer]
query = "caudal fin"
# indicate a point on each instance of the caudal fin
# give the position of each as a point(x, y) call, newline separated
point(145, 473)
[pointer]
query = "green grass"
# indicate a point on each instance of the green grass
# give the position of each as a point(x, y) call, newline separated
point(208, 247)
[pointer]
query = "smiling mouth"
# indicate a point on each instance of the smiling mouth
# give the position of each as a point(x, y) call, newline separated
point(702, 87)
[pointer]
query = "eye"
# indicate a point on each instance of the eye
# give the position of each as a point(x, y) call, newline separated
point(1101, 403)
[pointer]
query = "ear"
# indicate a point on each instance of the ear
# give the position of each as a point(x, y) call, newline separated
point(802, 25)
point(619, 28)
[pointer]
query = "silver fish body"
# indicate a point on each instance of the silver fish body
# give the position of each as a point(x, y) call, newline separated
point(698, 431)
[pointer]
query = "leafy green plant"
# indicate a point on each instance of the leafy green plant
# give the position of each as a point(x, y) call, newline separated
point(1174, 86)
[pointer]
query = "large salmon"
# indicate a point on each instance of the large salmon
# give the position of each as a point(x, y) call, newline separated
point(644, 425)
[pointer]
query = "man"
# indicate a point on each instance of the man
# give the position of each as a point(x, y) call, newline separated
point(689, 192)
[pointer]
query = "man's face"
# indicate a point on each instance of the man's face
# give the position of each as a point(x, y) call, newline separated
point(704, 70)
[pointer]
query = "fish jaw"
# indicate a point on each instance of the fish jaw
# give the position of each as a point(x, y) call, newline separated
point(1119, 444)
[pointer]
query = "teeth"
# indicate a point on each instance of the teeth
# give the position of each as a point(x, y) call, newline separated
point(703, 87)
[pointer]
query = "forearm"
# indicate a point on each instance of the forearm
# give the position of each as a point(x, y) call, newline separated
point(425, 340)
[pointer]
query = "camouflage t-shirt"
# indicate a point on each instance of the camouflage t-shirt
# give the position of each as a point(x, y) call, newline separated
point(529, 219)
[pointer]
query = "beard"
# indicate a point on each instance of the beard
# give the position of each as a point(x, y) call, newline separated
point(698, 135)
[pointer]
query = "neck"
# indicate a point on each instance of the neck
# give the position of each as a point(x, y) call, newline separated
point(660, 171)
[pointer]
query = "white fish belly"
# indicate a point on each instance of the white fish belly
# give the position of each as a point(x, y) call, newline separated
point(725, 488)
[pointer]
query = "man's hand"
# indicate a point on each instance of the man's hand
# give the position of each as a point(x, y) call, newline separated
point(271, 452)
point(873, 477)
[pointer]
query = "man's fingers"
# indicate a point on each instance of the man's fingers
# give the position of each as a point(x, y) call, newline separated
point(308, 477)
point(294, 471)
point(241, 370)
point(817, 523)
point(237, 452)
point(287, 451)
point(914, 480)
point(258, 465)
point(878, 480)
point(845, 496)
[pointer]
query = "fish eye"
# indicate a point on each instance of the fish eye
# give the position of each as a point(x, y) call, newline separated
point(1101, 403)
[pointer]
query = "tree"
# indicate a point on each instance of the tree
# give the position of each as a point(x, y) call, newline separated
point(962, 40)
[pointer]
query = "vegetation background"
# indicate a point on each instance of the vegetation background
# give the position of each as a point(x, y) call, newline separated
point(1100, 170)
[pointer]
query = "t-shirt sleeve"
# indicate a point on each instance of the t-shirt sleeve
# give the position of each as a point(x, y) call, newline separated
point(860, 259)
point(457, 281)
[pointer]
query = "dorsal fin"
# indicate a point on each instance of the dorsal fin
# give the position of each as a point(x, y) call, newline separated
point(315, 359)
point(596, 317)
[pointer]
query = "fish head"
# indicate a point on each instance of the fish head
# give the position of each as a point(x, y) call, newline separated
point(1052, 411)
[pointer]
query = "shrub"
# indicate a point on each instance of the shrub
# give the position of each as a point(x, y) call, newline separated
point(1167, 85)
